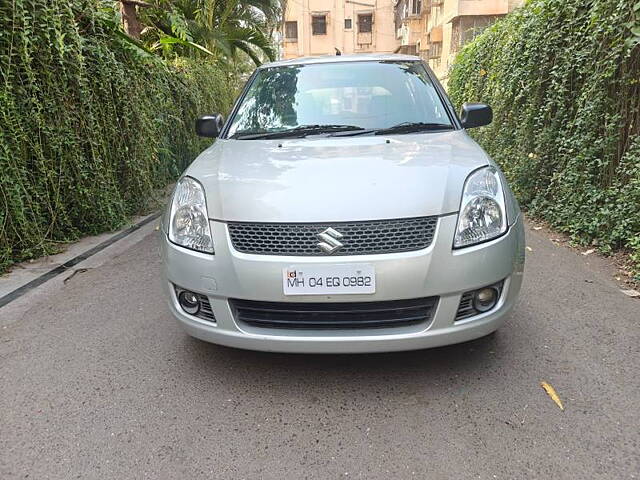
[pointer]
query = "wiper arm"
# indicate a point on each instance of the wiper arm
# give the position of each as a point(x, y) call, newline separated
point(353, 133)
point(405, 127)
point(408, 127)
point(300, 131)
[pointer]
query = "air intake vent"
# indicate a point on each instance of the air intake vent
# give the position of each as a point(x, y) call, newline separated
point(325, 315)
point(206, 312)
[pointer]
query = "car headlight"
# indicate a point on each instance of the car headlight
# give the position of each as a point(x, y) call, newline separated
point(188, 221)
point(482, 209)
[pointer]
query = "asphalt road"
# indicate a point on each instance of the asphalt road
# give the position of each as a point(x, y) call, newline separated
point(97, 381)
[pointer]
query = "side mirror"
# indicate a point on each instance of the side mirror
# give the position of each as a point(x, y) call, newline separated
point(209, 126)
point(476, 115)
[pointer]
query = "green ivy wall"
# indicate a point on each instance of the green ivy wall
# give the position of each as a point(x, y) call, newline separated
point(91, 126)
point(563, 78)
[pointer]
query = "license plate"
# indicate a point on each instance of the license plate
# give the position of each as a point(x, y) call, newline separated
point(329, 279)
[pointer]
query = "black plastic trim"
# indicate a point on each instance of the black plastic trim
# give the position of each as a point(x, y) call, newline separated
point(334, 315)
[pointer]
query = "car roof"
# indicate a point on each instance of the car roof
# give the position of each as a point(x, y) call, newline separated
point(358, 57)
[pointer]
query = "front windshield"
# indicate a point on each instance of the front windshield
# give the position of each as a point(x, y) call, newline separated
point(367, 95)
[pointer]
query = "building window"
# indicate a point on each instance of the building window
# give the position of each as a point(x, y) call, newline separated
point(410, 50)
point(347, 24)
point(437, 11)
point(319, 24)
point(466, 28)
point(416, 7)
point(435, 50)
point(364, 23)
point(291, 31)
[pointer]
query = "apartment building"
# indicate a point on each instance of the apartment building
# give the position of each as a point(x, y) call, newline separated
point(437, 29)
point(320, 27)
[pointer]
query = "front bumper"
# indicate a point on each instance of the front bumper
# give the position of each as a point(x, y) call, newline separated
point(434, 271)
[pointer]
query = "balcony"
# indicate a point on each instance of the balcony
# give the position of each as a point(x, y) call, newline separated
point(474, 7)
point(364, 39)
point(435, 50)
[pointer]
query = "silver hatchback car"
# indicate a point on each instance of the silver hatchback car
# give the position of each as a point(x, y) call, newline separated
point(342, 208)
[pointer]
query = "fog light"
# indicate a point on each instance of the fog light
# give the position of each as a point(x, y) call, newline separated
point(189, 302)
point(485, 299)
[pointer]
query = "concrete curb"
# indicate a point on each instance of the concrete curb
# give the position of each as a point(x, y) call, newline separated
point(22, 289)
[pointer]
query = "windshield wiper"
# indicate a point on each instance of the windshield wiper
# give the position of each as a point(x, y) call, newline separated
point(404, 127)
point(408, 127)
point(300, 131)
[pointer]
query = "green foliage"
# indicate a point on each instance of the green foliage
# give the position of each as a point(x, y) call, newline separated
point(563, 78)
point(218, 28)
point(92, 124)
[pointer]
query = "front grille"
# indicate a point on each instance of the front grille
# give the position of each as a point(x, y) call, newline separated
point(396, 313)
point(358, 238)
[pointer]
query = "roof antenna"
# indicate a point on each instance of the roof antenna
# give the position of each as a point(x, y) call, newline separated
point(338, 52)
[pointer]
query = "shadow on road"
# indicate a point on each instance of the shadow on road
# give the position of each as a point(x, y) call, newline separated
point(465, 360)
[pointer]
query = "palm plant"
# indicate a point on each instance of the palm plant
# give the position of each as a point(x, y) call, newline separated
point(211, 28)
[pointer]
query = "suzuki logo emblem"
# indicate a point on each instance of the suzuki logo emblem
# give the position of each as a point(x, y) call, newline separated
point(329, 241)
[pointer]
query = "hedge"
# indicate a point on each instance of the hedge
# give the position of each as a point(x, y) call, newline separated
point(92, 126)
point(563, 78)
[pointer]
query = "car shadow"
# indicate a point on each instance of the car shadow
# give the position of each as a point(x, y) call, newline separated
point(469, 358)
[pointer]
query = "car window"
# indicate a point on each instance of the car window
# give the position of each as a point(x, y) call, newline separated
point(362, 94)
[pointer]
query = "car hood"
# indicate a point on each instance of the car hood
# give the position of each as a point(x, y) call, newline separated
point(332, 179)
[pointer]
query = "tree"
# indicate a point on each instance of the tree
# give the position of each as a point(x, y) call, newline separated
point(209, 28)
point(128, 10)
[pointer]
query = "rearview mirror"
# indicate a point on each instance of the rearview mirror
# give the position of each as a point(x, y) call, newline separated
point(209, 126)
point(476, 115)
